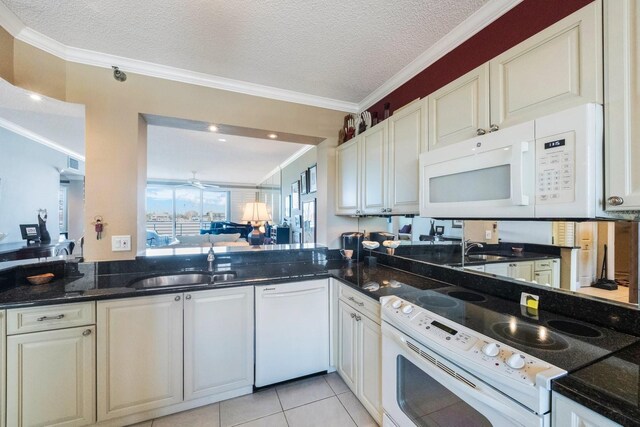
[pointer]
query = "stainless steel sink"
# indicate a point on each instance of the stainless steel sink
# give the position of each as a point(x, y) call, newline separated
point(178, 279)
point(223, 276)
point(486, 257)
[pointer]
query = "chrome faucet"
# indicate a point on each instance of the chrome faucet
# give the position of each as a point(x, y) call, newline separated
point(210, 258)
point(468, 245)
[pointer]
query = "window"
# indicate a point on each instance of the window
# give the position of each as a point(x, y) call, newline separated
point(184, 210)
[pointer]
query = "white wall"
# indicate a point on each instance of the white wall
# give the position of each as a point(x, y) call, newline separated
point(540, 232)
point(29, 181)
point(75, 208)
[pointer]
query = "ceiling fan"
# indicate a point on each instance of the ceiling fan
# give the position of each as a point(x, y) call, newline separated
point(195, 182)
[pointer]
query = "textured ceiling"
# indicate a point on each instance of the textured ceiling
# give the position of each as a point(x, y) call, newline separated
point(172, 154)
point(332, 48)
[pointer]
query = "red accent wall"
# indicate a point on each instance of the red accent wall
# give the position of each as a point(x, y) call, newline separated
point(520, 23)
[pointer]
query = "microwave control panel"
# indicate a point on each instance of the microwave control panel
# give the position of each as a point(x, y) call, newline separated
point(555, 169)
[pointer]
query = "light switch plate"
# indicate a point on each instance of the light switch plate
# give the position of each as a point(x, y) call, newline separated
point(120, 243)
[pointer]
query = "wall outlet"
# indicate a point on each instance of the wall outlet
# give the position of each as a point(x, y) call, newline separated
point(120, 243)
point(487, 234)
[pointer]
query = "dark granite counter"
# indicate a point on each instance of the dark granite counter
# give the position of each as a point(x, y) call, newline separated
point(610, 387)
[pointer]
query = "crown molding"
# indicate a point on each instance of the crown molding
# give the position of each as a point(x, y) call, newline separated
point(26, 133)
point(461, 33)
point(97, 59)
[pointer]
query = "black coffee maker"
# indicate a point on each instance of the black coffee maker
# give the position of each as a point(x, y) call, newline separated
point(353, 241)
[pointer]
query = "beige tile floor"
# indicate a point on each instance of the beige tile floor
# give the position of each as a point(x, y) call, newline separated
point(621, 294)
point(322, 401)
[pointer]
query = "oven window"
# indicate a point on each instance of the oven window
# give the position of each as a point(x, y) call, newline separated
point(429, 404)
point(481, 184)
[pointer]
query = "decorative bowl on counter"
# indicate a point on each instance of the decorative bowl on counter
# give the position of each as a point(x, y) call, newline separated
point(40, 279)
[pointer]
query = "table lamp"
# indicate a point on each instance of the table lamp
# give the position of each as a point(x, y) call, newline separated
point(256, 213)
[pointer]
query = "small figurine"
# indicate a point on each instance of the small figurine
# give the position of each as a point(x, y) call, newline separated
point(45, 237)
point(98, 225)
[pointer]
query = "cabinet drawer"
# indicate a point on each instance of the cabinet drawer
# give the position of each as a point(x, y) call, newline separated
point(546, 264)
point(23, 320)
point(362, 303)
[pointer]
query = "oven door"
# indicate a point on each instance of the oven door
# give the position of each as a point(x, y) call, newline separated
point(420, 388)
point(491, 176)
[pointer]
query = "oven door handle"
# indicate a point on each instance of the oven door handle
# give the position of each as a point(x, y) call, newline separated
point(518, 150)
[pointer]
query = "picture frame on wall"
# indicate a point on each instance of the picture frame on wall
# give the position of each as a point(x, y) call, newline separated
point(304, 182)
point(313, 179)
point(456, 223)
point(295, 196)
point(287, 206)
point(309, 221)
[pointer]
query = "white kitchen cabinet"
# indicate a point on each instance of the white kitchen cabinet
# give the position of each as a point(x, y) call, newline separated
point(140, 354)
point(543, 277)
point(347, 363)
point(566, 412)
point(3, 366)
point(622, 104)
point(374, 155)
point(359, 355)
point(558, 68)
point(370, 362)
point(51, 378)
point(497, 268)
point(347, 178)
point(459, 109)
point(407, 139)
point(522, 270)
point(547, 272)
point(218, 341)
point(474, 267)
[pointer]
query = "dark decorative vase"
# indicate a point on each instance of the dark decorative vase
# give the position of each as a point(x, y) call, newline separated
point(44, 233)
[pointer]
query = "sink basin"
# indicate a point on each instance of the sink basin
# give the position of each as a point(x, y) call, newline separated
point(486, 257)
point(223, 276)
point(178, 279)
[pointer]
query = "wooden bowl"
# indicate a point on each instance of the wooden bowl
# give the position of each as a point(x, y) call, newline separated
point(40, 279)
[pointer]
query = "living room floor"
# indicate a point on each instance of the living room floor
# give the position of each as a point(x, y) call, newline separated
point(318, 401)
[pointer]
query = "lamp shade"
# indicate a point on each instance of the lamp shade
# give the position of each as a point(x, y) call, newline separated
point(256, 211)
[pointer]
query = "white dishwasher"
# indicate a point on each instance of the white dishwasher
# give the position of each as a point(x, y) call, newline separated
point(292, 330)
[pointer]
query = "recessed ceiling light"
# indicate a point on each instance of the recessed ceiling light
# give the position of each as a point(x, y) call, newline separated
point(35, 97)
point(272, 135)
point(213, 128)
point(222, 140)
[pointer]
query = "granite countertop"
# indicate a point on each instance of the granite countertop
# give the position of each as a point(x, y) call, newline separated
point(85, 284)
point(453, 260)
point(610, 387)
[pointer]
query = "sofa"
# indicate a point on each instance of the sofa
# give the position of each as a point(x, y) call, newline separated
point(206, 240)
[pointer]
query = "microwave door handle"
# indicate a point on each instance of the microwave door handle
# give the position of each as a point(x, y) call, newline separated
point(517, 173)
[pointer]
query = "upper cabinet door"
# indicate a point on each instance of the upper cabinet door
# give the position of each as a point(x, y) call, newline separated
point(407, 136)
point(556, 69)
point(622, 104)
point(374, 152)
point(347, 182)
point(459, 109)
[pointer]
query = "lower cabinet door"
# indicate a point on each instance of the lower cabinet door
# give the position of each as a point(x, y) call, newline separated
point(521, 270)
point(139, 354)
point(543, 277)
point(348, 346)
point(370, 366)
point(51, 378)
point(218, 341)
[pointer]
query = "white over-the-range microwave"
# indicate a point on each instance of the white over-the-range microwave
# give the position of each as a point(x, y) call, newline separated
point(550, 167)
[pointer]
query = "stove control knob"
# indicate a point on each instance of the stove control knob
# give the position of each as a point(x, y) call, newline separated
point(516, 361)
point(491, 349)
point(396, 304)
point(407, 309)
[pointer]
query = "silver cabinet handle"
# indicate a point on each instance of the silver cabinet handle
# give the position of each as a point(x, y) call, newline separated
point(353, 315)
point(358, 318)
point(177, 298)
point(384, 209)
point(43, 318)
point(480, 132)
point(494, 128)
point(357, 302)
point(87, 332)
point(615, 200)
point(188, 297)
